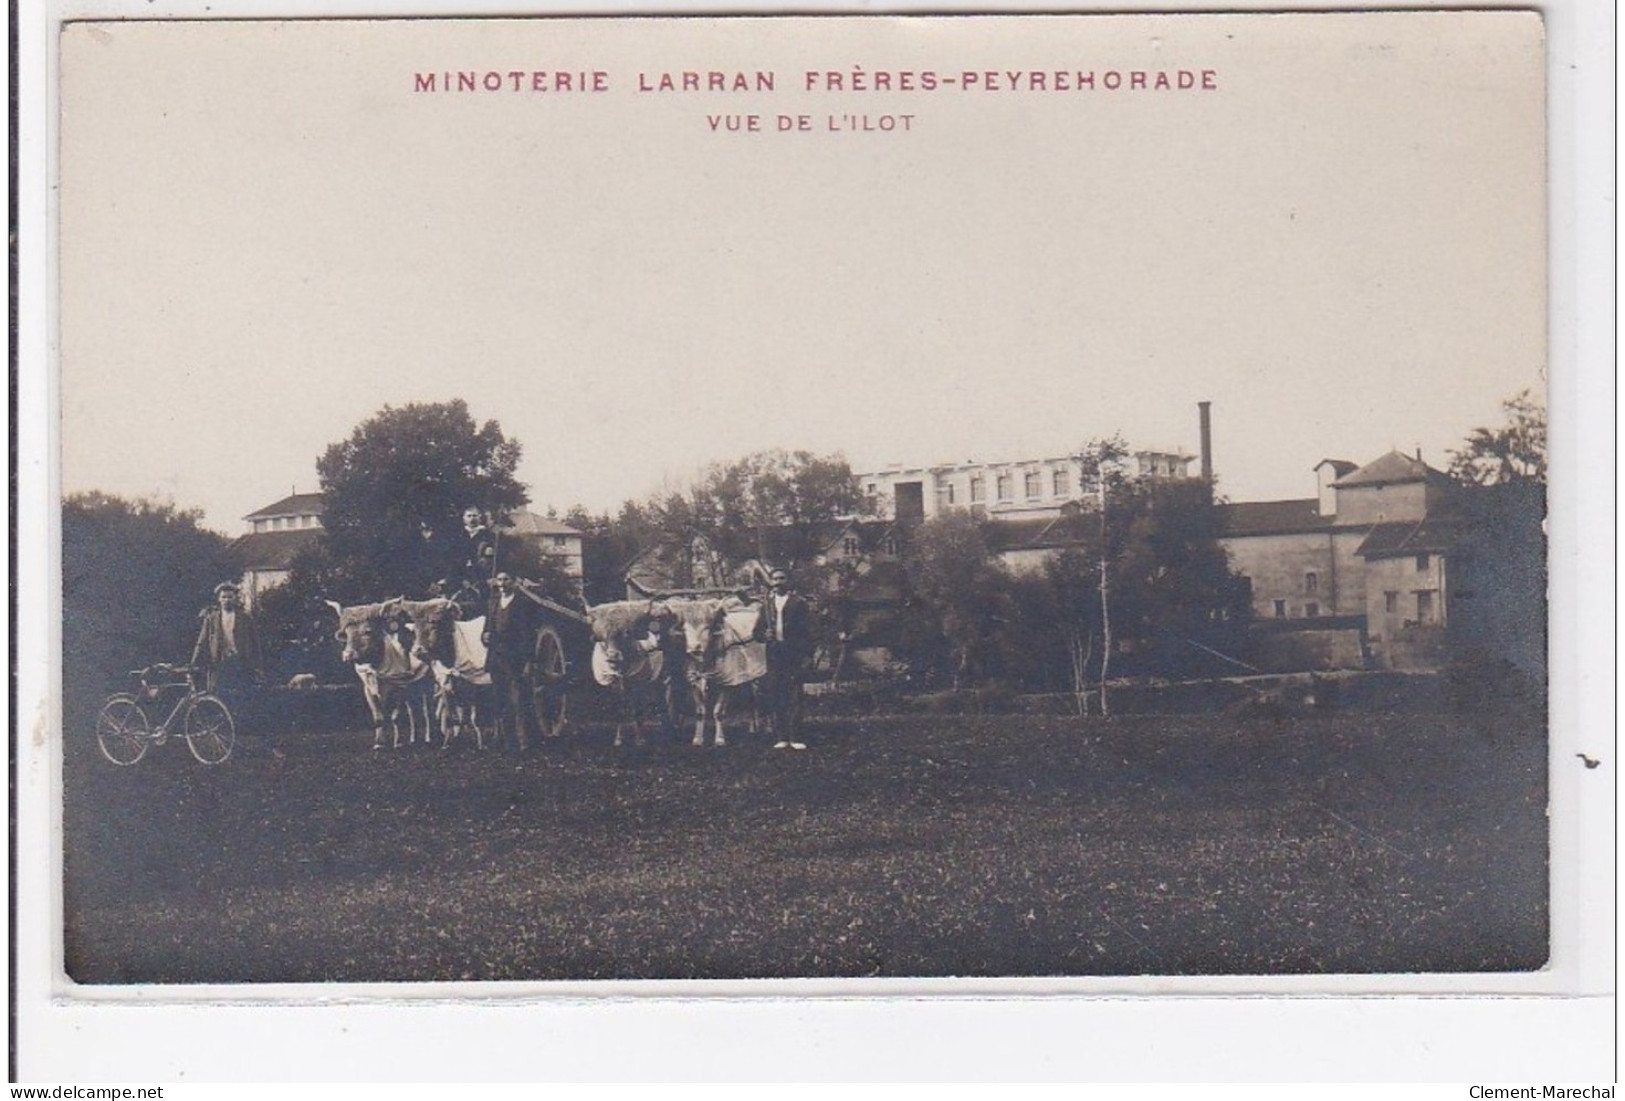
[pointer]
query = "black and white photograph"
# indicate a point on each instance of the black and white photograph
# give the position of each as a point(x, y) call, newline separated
point(712, 505)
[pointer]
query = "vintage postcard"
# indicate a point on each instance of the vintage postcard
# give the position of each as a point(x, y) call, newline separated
point(780, 506)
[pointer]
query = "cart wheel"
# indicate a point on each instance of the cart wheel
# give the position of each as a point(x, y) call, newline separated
point(552, 673)
point(122, 731)
point(210, 733)
point(551, 666)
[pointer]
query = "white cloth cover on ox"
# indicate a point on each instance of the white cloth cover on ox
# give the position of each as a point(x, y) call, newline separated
point(643, 666)
point(742, 660)
point(398, 667)
point(470, 652)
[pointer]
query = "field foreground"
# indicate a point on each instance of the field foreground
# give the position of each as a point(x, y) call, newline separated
point(925, 846)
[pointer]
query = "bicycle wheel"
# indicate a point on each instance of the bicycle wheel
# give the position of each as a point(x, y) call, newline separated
point(209, 731)
point(122, 730)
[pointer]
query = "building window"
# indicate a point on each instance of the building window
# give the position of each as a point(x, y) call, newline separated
point(870, 490)
point(1390, 603)
point(1280, 609)
point(560, 541)
point(945, 494)
point(1035, 484)
point(1424, 607)
point(849, 546)
point(1063, 483)
point(1006, 486)
point(978, 489)
point(890, 546)
point(1311, 582)
point(1422, 563)
point(1311, 610)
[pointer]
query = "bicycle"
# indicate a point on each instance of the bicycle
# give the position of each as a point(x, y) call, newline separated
point(124, 732)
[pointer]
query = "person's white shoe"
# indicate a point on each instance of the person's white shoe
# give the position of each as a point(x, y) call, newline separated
point(798, 745)
point(781, 745)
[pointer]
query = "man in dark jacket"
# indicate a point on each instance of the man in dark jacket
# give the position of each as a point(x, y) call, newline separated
point(510, 640)
point(228, 654)
point(787, 623)
point(479, 551)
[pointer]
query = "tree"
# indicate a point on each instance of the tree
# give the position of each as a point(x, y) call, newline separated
point(1146, 578)
point(1185, 609)
point(1103, 464)
point(952, 571)
point(608, 544)
point(401, 472)
point(135, 575)
point(1514, 452)
point(1497, 626)
point(1075, 600)
point(767, 505)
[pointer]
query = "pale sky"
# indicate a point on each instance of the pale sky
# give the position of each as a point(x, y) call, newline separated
point(267, 236)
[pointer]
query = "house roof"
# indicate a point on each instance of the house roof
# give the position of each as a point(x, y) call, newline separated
point(1393, 468)
point(273, 550)
point(1022, 534)
point(299, 504)
point(1272, 517)
point(1394, 540)
point(524, 522)
point(882, 582)
point(1340, 467)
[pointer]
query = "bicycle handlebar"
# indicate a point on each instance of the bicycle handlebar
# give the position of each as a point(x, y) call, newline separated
point(166, 668)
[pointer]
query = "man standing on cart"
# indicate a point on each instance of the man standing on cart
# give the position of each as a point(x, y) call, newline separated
point(479, 553)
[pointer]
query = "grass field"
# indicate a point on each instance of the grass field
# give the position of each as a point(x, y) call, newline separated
point(919, 846)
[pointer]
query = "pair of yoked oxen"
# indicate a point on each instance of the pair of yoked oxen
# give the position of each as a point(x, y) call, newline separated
point(424, 662)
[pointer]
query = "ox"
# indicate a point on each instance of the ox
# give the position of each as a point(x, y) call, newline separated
point(452, 648)
point(721, 658)
point(455, 649)
point(627, 659)
point(391, 678)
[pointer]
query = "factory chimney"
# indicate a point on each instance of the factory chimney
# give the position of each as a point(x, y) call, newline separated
point(1207, 440)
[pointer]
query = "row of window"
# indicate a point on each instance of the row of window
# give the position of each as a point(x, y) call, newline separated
point(1004, 487)
point(285, 523)
point(1311, 579)
point(1390, 603)
point(850, 547)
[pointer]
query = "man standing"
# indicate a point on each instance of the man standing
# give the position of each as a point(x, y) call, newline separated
point(228, 652)
point(788, 624)
point(510, 639)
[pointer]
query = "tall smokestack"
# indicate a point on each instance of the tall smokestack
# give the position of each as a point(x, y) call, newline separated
point(1207, 440)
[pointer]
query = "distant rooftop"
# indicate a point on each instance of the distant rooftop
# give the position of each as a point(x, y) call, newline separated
point(1394, 468)
point(273, 550)
point(299, 504)
point(1272, 517)
point(524, 522)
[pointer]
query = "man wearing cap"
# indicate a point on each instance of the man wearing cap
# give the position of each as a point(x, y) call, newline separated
point(228, 652)
point(510, 639)
point(787, 623)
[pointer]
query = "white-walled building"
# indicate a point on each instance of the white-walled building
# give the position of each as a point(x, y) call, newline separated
point(1017, 489)
point(276, 535)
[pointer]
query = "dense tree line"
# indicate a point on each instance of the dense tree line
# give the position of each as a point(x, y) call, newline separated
point(135, 576)
point(1143, 587)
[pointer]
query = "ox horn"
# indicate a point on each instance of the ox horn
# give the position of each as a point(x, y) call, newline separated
point(335, 605)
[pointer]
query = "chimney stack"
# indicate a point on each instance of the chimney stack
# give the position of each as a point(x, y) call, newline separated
point(1207, 440)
